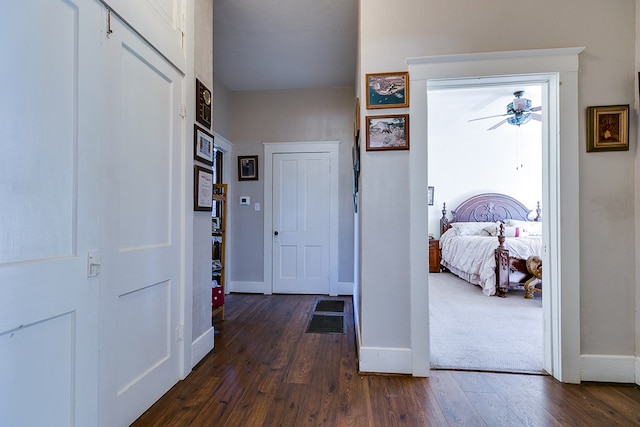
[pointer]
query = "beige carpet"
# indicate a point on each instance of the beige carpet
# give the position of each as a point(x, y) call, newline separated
point(474, 332)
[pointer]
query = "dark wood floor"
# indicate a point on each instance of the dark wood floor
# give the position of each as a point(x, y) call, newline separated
point(266, 370)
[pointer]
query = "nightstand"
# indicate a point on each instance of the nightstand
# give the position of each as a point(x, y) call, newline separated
point(434, 256)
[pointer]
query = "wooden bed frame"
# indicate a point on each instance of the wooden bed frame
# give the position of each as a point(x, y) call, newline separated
point(493, 207)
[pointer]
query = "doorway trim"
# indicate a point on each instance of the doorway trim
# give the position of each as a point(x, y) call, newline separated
point(559, 69)
point(272, 148)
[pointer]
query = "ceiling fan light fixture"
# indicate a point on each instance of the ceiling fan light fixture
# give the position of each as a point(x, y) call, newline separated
point(519, 119)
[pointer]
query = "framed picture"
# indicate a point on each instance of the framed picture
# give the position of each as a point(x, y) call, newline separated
point(388, 90)
point(202, 189)
point(388, 132)
point(247, 168)
point(202, 145)
point(215, 223)
point(608, 128)
point(430, 195)
point(203, 104)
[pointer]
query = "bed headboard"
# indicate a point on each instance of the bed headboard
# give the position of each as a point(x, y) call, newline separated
point(488, 207)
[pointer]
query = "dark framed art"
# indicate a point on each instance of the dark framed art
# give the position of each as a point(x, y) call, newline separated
point(202, 189)
point(390, 132)
point(247, 168)
point(388, 90)
point(608, 128)
point(202, 145)
point(203, 104)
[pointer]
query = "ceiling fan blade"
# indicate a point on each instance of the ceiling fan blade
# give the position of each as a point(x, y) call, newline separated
point(537, 117)
point(498, 124)
point(490, 117)
point(536, 108)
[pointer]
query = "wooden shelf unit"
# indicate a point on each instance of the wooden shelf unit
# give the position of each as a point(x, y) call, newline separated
point(218, 231)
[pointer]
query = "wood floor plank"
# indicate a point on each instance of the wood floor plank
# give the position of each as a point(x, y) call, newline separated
point(266, 371)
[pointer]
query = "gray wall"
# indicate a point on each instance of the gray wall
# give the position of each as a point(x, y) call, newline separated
point(203, 69)
point(288, 116)
point(607, 191)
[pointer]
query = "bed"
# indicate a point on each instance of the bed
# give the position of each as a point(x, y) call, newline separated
point(488, 240)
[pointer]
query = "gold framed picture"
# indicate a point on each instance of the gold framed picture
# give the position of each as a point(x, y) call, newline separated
point(608, 128)
point(387, 90)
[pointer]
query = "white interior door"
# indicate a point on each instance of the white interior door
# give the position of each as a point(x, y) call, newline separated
point(301, 223)
point(140, 323)
point(49, 212)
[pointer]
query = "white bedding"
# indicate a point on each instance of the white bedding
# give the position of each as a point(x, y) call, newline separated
point(473, 259)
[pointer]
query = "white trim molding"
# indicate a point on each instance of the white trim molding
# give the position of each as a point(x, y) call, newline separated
point(608, 368)
point(557, 71)
point(201, 346)
point(385, 360)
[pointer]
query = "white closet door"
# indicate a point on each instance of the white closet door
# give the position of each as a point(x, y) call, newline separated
point(142, 203)
point(49, 212)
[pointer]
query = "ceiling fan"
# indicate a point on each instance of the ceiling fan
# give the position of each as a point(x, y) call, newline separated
point(519, 112)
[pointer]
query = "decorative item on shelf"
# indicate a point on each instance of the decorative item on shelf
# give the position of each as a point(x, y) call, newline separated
point(202, 189)
point(202, 145)
point(390, 132)
point(247, 168)
point(388, 90)
point(203, 104)
point(608, 128)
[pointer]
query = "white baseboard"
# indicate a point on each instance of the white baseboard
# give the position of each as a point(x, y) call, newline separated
point(246, 287)
point(385, 360)
point(201, 346)
point(345, 288)
point(608, 368)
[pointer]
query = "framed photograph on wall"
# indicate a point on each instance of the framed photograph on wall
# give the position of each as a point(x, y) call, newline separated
point(388, 90)
point(202, 189)
point(202, 145)
point(608, 128)
point(247, 168)
point(430, 195)
point(389, 132)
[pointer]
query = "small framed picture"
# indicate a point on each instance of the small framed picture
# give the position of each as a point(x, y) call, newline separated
point(608, 128)
point(215, 223)
point(388, 132)
point(202, 145)
point(247, 168)
point(388, 90)
point(430, 195)
point(202, 189)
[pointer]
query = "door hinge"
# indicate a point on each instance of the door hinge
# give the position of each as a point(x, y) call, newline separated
point(182, 111)
point(180, 333)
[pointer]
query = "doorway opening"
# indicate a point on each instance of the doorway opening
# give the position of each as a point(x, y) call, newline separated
point(491, 156)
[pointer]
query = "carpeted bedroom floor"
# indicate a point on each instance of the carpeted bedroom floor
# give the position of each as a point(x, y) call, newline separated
point(475, 332)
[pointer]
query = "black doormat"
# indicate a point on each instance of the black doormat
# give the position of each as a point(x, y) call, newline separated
point(321, 324)
point(330, 305)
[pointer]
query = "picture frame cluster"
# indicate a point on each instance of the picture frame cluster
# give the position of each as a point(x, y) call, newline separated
point(387, 131)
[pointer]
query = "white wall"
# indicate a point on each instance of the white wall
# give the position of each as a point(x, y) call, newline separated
point(202, 333)
point(607, 249)
point(465, 158)
point(287, 116)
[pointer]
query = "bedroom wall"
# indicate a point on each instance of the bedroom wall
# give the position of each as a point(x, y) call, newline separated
point(607, 76)
point(465, 158)
point(287, 116)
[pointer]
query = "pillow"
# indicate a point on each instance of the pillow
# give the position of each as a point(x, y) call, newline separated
point(493, 229)
point(469, 228)
point(531, 228)
point(515, 232)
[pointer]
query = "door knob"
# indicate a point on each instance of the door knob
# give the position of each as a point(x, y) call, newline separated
point(275, 233)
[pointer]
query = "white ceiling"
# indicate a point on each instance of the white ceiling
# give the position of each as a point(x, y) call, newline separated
point(284, 44)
